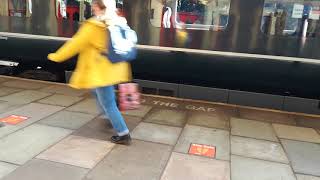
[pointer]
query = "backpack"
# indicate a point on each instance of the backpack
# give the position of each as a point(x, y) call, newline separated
point(122, 43)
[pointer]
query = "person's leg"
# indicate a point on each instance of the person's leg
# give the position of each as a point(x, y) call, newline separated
point(100, 108)
point(106, 97)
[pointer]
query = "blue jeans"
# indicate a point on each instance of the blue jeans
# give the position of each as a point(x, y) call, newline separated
point(106, 100)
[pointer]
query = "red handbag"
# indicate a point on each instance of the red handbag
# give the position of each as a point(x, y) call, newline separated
point(129, 97)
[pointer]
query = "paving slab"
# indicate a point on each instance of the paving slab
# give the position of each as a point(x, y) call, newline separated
point(167, 117)
point(212, 120)
point(60, 100)
point(259, 149)
point(253, 129)
point(207, 136)
point(139, 161)
point(33, 111)
point(266, 116)
point(6, 168)
point(24, 84)
point(89, 94)
point(37, 169)
point(247, 168)
point(24, 97)
point(304, 156)
point(64, 89)
point(23, 145)
point(297, 133)
point(86, 106)
point(3, 79)
point(8, 106)
point(156, 133)
point(182, 166)
point(307, 121)
point(100, 128)
point(306, 177)
point(141, 112)
point(78, 151)
point(67, 119)
point(4, 91)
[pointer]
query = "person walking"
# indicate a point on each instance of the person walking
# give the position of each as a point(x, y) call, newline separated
point(95, 71)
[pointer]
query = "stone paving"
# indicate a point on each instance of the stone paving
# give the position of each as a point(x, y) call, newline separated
point(66, 137)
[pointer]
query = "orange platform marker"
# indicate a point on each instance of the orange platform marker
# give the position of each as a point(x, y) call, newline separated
point(13, 119)
point(203, 150)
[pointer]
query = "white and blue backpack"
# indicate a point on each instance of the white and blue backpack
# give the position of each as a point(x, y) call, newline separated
point(122, 43)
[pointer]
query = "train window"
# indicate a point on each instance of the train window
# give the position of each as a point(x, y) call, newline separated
point(74, 10)
point(203, 13)
point(78, 10)
point(46, 17)
point(291, 17)
point(190, 14)
point(18, 8)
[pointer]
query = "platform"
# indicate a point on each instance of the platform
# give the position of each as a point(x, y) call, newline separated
point(51, 132)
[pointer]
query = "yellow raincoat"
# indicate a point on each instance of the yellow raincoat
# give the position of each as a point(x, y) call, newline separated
point(93, 70)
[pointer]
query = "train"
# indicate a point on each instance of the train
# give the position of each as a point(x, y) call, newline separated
point(261, 53)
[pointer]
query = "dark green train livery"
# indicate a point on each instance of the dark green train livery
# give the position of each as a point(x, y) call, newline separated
point(263, 53)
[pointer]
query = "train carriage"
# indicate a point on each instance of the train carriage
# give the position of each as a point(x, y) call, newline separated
point(262, 53)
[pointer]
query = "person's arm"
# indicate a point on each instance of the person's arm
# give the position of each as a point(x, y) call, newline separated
point(79, 41)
